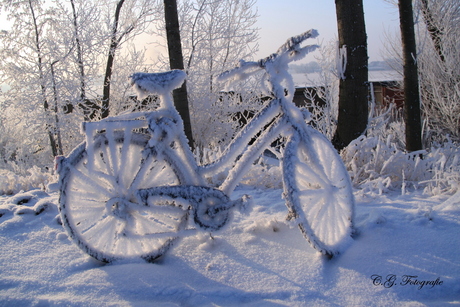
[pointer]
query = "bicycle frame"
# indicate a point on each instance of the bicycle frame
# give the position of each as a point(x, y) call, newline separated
point(273, 114)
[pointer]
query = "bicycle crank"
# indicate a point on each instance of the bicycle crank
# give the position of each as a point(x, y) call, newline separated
point(210, 207)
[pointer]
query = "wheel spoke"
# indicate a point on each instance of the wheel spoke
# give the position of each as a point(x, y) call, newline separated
point(313, 165)
point(89, 181)
point(97, 202)
point(322, 191)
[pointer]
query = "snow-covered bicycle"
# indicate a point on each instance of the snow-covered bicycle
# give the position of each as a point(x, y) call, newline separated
point(134, 188)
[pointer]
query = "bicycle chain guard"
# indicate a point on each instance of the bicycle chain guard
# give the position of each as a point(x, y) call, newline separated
point(211, 207)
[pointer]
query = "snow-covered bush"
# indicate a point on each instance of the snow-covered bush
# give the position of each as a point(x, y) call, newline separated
point(12, 182)
point(378, 162)
point(264, 174)
point(218, 116)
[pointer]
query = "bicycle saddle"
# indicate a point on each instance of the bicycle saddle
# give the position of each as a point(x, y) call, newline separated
point(157, 83)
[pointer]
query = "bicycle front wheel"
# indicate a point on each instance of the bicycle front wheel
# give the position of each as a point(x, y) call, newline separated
point(318, 192)
point(98, 206)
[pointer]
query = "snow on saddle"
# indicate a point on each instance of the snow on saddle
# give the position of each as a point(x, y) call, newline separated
point(157, 83)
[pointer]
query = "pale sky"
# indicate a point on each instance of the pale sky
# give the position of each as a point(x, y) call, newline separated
point(281, 19)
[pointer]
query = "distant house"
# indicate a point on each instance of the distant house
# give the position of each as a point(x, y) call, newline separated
point(381, 92)
point(387, 92)
point(384, 88)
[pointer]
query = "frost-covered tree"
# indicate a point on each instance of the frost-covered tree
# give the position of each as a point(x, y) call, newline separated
point(26, 51)
point(53, 57)
point(220, 33)
point(130, 19)
point(215, 35)
point(437, 28)
point(439, 65)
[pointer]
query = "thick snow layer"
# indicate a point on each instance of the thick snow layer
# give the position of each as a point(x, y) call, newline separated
point(157, 83)
point(406, 253)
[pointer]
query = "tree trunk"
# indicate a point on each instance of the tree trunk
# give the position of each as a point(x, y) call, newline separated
point(79, 54)
point(412, 116)
point(82, 100)
point(435, 32)
point(353, 88)
point(57, 129)
point(49, 128)
point(176, 61)
point(114, 41)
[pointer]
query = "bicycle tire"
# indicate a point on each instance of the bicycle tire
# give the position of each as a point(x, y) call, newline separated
point(96, 202)
point(318, 192)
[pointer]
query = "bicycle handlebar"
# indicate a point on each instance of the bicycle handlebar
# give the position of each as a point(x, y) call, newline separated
point(293, 43)
point(288, 52)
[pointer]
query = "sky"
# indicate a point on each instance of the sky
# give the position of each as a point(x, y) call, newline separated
point(281, 19)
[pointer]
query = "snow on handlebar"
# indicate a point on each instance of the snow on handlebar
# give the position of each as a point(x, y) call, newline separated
point(288, 52)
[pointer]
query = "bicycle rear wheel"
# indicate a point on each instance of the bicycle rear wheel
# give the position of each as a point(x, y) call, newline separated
point(98, 206)
point(318, 192)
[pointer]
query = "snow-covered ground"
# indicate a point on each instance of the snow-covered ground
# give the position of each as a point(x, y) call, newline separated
point(406, 253)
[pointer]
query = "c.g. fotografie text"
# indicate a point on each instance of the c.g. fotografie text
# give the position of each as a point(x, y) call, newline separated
point(406, 280)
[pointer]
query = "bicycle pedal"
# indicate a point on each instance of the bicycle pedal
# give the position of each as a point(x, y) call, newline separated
point(244, 204)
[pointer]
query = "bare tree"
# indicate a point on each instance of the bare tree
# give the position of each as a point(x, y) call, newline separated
point(412, 116)
point(38, 49)
point(215, 36)
point(114, 42)
point(176, 61)
point(79, 51)
point(51, 62)
point(353, 88)
point(439, 67)
point(433, 29)
point(137, 17)
point(25, 43)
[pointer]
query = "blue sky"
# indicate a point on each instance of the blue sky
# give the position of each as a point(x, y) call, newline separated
point(281, 19)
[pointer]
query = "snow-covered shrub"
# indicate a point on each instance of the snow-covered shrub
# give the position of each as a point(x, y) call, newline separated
point(13, 182)
point(265, 174)
point(378, 163)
